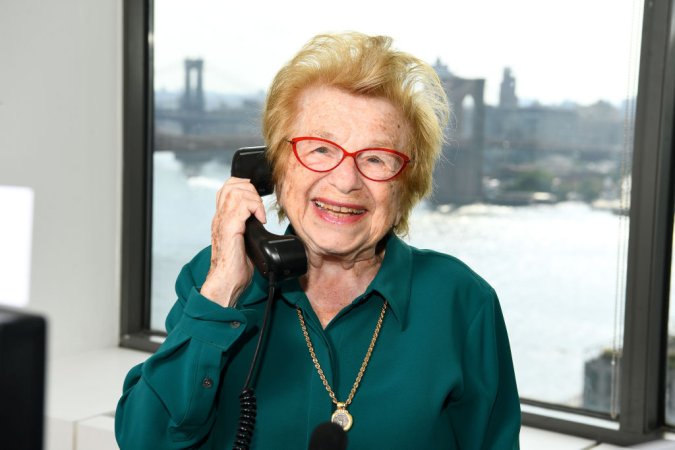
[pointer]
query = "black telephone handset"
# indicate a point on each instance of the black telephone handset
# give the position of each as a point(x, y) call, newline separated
point(284, 256)
point(276, 257)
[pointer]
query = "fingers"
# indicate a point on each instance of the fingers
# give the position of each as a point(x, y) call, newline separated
point(231, 270)
point(239, 198)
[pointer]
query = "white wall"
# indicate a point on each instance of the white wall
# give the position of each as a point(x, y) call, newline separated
point(60, 134)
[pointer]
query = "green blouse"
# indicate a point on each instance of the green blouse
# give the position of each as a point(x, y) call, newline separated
point(440, 376)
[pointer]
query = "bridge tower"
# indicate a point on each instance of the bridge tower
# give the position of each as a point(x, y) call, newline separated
point(193, 95)
point(458, 177)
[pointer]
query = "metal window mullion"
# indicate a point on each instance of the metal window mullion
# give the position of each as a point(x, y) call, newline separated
point(645, 332)
point(135, 204)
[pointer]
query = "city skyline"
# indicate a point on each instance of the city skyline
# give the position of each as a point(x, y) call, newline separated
point(214, 99)
point(557, 52)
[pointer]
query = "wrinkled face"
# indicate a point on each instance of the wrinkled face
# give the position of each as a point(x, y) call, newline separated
point(340, 213)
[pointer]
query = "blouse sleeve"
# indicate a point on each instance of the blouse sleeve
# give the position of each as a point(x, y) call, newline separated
point(169, 400)
point(487, 415)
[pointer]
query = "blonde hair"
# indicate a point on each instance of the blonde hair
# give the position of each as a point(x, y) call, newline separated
point(368, 66)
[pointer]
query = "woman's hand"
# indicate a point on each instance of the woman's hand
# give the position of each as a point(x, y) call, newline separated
point(231, 269)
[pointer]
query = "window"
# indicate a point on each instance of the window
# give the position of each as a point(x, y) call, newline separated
point(540, 189)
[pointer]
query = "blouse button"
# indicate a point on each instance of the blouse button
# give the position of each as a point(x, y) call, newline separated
point(207, 382)
point(235, 324)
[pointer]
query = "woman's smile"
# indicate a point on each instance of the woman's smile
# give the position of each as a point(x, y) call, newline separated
point(338, 213)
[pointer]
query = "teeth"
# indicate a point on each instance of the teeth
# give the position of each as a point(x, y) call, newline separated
point(338, 209)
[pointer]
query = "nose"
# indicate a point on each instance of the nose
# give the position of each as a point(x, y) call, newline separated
point(346, 177)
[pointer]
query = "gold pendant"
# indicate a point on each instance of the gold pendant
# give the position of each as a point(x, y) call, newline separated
point(342, 417)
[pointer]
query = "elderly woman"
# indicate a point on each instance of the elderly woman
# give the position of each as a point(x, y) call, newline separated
point(404, 348)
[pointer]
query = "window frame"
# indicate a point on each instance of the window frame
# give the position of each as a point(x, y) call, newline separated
point(137, 172)
point(642, 386)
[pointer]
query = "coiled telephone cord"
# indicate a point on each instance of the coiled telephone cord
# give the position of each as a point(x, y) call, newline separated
point(247, 400)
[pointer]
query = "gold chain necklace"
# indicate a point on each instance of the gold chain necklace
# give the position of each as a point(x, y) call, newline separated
point(341, 416)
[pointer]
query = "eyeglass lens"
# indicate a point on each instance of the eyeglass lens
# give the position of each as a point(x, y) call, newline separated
point(373, 163)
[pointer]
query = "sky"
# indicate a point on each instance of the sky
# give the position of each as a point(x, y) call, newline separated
point(575, 50)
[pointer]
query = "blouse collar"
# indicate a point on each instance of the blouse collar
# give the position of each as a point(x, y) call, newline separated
point(392, 282)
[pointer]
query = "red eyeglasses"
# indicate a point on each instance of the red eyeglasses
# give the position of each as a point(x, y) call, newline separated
point(322, 155)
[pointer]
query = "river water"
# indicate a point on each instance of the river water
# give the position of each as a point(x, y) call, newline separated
point(554, 267)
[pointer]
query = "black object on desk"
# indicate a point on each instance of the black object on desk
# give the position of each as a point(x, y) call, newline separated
point(22, 380)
